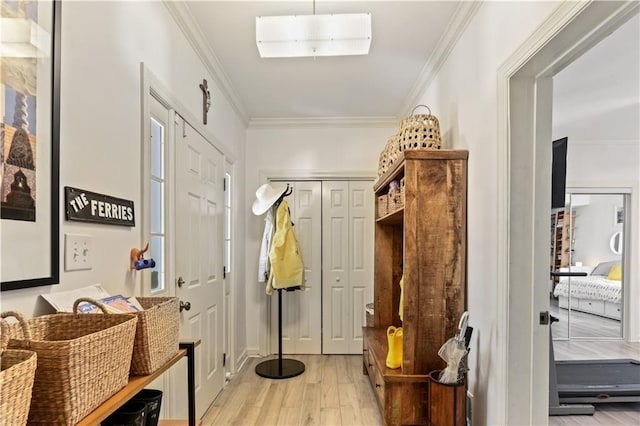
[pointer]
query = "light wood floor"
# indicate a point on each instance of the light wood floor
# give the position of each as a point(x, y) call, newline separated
point(331, 391)
point(582, 324)
point(606, 414)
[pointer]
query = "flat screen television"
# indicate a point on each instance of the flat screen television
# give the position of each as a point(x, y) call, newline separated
point(559, 173)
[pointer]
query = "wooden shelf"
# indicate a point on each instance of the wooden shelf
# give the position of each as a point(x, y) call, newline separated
point(433, 154)
point(562, 227)
point(377, 339)
point(417, 240)
point(135, 385)
point(393, 218)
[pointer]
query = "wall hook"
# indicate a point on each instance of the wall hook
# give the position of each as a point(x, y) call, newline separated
point(138, 261)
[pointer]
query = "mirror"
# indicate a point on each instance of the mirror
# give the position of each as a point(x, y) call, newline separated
point(585, 239)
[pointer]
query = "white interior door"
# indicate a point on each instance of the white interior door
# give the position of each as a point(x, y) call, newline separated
point(199, 256)
point(301, 310)
point(347, 241)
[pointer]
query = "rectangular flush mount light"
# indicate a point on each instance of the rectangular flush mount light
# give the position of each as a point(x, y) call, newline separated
point(313, 35)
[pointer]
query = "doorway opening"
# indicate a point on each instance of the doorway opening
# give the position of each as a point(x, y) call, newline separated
point(588, 237)
point(526, 97)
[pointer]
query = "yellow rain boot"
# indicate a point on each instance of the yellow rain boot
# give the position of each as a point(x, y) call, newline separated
point(394, 355)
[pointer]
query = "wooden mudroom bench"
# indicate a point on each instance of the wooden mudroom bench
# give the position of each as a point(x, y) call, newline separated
point(137, 383)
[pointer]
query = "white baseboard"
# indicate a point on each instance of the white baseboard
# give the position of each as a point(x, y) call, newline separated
point(241, 360)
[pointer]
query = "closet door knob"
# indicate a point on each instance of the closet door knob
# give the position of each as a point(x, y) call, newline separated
point(337, 279)
point(185, 306)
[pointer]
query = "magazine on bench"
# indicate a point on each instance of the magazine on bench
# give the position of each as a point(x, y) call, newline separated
point(117, 304)
point(63, 301)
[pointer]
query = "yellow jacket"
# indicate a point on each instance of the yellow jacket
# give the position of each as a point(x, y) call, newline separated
point(287, 269)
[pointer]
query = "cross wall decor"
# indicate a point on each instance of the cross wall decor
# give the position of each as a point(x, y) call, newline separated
point(206, 100)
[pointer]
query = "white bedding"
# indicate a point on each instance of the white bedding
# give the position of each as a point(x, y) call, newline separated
point(595, 287)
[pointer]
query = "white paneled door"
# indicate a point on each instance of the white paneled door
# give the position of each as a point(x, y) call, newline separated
point(301, 309)
point(334, 224)
point(347, 263)
point(199, 204)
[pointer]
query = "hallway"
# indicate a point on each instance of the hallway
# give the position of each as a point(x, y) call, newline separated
point(331, 391)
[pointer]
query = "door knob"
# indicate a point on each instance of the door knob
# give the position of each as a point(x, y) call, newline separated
point(180, 282)
point(185, 306)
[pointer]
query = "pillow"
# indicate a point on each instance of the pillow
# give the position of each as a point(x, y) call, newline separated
point(603, 268)
point(615, 274)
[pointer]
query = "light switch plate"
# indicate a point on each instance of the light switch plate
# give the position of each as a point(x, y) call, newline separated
point(77, 252)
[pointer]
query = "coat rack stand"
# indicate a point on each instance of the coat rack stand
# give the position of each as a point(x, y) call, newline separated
point(280, 368)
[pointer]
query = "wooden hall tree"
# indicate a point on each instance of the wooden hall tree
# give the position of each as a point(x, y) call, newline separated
point(425, 240)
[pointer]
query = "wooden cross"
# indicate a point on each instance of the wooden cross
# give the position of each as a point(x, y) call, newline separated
point(206, 100)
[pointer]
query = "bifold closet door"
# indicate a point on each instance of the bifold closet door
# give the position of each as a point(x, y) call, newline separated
point(301, 310)
point(347, 263)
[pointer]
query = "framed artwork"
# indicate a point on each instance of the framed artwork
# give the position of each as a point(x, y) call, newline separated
point(29, 143)
point(618, 215)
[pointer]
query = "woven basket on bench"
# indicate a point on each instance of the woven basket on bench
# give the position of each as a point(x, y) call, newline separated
point(18, 369)
point(83, 359)
point(157, 334)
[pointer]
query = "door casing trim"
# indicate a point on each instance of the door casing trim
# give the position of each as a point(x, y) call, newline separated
point(569, 31)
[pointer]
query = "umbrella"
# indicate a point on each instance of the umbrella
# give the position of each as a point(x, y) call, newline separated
point(454, 352)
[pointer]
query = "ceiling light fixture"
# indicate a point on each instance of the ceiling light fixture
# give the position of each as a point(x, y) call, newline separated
point(313, 35)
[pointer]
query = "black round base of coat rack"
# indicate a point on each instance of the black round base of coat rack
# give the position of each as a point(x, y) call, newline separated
point(280, 368)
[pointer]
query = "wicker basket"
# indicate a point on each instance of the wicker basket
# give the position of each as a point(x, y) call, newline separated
point(383, 201)
point(402, 191)
point(83, 359)
point(420, 132)
point(18, 369)
point(395, 200)
point(383, 164)
point(393, 150)
point(156, 334)
point(389, 154)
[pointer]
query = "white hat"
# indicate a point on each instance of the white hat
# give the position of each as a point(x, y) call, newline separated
point(266, 195)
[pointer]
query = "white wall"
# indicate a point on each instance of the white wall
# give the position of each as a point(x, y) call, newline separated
point(103, 44)
point(464, 97)
point(332, 149)
point(594, 227)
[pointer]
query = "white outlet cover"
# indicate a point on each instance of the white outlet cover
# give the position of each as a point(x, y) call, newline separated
point(78, 252)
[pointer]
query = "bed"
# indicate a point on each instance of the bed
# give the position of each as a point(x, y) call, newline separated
point(599, 293)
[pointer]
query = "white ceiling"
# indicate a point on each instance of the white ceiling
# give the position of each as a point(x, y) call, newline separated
point(597, 97)
point(404, 35)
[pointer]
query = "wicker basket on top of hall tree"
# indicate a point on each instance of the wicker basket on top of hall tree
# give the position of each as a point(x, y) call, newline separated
point(420, 131)
point(389, 155)
point(157, 334)
point(83, 359)
point(18, 369)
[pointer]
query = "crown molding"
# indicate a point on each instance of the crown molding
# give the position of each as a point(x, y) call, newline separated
point(457, 25)
point(190, 28)
point(293, 122)
point(295, 174)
